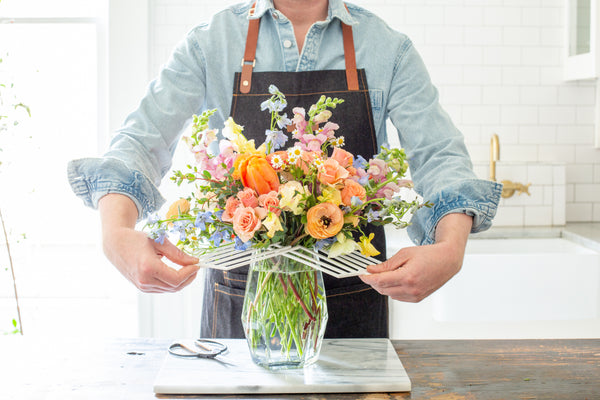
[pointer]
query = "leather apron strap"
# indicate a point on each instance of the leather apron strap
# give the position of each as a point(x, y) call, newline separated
point(249, 59)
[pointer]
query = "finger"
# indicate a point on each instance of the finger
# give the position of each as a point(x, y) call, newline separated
point(393, 263)
point(174, 253)
point(382, 280)
point(173, 277)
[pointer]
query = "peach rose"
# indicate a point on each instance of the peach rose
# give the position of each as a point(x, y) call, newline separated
point(344, 158)
point(180, 207)
point(248, 197)
point(332, 172)
point(245, 223)
point(324, 220)
point(231, 205)
point(270, 202)
point(351, 189)
point(255, 172)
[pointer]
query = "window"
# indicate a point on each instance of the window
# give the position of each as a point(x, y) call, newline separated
point(55, 55)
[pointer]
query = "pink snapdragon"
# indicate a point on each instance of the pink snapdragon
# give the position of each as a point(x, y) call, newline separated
point(377, 169)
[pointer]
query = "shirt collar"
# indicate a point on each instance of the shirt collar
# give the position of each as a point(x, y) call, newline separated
point(337, 9)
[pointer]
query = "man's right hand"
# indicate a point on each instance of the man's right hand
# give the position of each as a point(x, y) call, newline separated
point(138, 257)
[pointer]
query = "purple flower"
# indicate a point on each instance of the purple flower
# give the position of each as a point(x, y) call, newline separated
point(202, 218)
point(277, 138)
point(242, 246)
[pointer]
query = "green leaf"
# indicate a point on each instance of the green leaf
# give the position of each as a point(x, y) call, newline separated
point(14, 322)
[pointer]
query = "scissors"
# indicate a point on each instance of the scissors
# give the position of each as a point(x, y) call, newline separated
point(198, 348)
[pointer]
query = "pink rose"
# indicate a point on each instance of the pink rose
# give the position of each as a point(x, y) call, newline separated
point(343, 157)
point(332, 172)
point(245, 223)
point(270, 202)
point(248, 197)
point(231, 205)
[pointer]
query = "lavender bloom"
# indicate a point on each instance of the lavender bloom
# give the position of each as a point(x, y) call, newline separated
point(321, 244)
point(355, 201)
point(203, 218)
point(283, 121)
point(360, 162)
point(373, 215)
point(159, 235)
point(239, 245)
point(153, 218)
point(277, 138)
point(179, 227)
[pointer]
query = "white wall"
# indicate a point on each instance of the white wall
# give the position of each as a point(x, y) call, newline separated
point(498, 66)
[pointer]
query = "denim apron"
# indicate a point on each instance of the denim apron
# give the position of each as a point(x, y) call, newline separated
point(355, 309)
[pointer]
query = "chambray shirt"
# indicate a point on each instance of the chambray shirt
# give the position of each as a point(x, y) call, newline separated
point(199, 76)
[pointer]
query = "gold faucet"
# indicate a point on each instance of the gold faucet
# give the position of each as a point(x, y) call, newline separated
point(494, 156)
point(508, 187)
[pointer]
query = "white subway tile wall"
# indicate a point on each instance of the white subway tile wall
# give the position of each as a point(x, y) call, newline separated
point(498, 67)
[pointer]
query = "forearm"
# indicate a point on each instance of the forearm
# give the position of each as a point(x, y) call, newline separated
point(117, 211)
point(453, 229)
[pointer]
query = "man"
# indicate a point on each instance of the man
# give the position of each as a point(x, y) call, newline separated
point(296, 43)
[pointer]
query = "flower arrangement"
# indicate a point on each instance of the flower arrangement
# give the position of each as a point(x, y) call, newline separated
point(314, 194)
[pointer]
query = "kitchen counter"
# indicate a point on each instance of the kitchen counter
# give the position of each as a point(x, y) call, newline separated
point(76, 368)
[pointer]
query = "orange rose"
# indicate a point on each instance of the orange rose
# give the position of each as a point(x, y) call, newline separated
point(230, 206)
point(248, 197)
point(332, 172)
point(351, 189)
point(324, 220)
point(343, 157)
point(245, 223)
point(256, 173)
point(270, 202)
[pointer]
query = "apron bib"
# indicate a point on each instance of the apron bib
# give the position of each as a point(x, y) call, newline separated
point(355, 309)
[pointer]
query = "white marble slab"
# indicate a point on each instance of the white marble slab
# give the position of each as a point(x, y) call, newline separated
point(345, 365)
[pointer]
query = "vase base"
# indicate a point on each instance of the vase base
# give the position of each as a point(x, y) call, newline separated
point(283, 364)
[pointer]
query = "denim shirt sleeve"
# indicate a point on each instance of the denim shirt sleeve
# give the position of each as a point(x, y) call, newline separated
point(439, 162)
point(141, 151)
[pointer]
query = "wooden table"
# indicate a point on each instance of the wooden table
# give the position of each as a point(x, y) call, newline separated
point(32, 368)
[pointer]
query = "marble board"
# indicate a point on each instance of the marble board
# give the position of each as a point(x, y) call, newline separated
point(344, 366)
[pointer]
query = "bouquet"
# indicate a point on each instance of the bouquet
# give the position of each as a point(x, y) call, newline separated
point(313, 194)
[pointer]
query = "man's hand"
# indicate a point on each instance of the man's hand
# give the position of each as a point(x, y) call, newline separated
point(138, 257)
point(414, 273)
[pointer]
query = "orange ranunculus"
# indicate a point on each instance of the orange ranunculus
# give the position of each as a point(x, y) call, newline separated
point(256, 173)
point(324, 220)
point(332, 172)
point(351, 189)
point(343, 157)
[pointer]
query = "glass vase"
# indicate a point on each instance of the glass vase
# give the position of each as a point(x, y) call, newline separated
point(285, 313)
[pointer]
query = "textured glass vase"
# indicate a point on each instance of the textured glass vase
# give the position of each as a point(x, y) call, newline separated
point(285, 313)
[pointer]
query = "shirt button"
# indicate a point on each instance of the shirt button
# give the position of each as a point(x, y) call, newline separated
point(287, 44)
